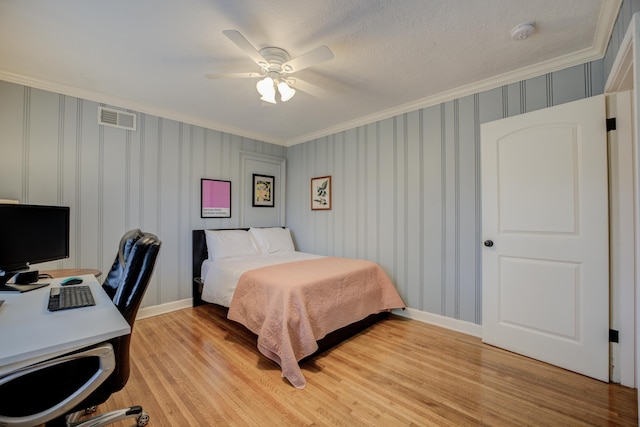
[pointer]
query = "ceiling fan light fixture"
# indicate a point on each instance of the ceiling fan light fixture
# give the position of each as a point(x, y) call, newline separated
point(275, 66)
point(269, 98)
point(286, 91)
point(265, 86)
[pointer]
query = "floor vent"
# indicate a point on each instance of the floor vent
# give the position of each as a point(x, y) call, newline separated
point(115, 118)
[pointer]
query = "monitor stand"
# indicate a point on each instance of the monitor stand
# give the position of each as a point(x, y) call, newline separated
point(26, 277)
point(3, 282)
point(6, 275)
point(19, 286)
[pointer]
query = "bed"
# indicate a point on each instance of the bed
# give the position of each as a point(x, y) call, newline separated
point(297, 304)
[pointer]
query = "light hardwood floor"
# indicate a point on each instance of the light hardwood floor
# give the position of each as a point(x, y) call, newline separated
point(195, 368)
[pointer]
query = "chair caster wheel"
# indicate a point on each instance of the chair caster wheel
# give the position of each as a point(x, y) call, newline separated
point(143, 419)
point(90, 410)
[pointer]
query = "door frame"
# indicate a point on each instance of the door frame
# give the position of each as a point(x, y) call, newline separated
point(625, 75)
point(621, 244)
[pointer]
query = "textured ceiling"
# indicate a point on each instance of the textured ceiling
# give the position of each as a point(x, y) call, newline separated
point(389, 56)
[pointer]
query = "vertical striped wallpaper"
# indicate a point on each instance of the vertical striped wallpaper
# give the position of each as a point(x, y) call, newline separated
point(406, 190)
point(52, 151)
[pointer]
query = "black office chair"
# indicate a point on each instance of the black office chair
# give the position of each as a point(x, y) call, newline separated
point(57, 390)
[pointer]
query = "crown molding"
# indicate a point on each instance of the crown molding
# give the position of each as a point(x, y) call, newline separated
point(621, 75)
point(537, 70)
point(103, 98)
point(525, 73)
point(606, 22)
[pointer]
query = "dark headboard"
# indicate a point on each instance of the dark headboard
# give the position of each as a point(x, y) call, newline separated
point(199, 251)
point(199, 255)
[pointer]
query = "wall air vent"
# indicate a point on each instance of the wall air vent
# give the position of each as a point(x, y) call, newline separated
point(115, 118)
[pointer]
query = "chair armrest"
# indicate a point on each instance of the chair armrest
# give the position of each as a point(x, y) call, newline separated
point(41, 392)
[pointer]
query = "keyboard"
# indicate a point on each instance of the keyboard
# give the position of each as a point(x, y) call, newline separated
point(70, 297)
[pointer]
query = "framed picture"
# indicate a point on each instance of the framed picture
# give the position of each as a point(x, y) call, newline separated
point(263, 191)
point(321, 193)
point(215, 198)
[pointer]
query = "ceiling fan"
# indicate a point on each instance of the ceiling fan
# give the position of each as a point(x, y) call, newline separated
point(276, 67)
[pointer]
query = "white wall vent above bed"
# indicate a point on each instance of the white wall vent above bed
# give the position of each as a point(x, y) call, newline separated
point(115, 118)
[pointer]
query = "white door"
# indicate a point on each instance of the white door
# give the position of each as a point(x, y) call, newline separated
point(545, 225)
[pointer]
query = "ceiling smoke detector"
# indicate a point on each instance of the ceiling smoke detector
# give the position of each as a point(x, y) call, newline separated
point(522, 31)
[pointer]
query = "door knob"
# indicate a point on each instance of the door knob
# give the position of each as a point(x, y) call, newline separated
point(488, 243)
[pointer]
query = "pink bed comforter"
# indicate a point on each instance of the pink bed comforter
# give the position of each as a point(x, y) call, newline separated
point(291, 306)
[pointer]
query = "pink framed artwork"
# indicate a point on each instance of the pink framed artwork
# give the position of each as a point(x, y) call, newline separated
point(215, 198)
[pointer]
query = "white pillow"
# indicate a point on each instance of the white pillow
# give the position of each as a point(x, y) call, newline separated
point(223, 244)
point(271, 240)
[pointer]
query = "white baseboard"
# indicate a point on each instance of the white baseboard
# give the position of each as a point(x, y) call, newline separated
point(410, 313)
point(156, 310)
point(442, 321)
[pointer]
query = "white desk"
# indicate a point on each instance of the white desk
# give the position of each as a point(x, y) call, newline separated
point(29, 333)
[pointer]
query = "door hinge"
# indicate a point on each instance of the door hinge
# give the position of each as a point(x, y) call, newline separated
point(614, 336)
point(611, 124)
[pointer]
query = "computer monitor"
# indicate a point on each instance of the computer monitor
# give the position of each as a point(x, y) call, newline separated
point(31, 234)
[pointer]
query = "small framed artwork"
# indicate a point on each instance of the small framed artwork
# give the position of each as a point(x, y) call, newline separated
point(263, 191)
point(321, 193)
point(215, 198)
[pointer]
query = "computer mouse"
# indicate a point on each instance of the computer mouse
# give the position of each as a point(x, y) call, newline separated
point(71, 281)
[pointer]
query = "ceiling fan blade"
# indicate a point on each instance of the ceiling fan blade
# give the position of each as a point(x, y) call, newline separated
point(307, 87)
point(233, 76)
point(313, 57)
point(245, 46)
